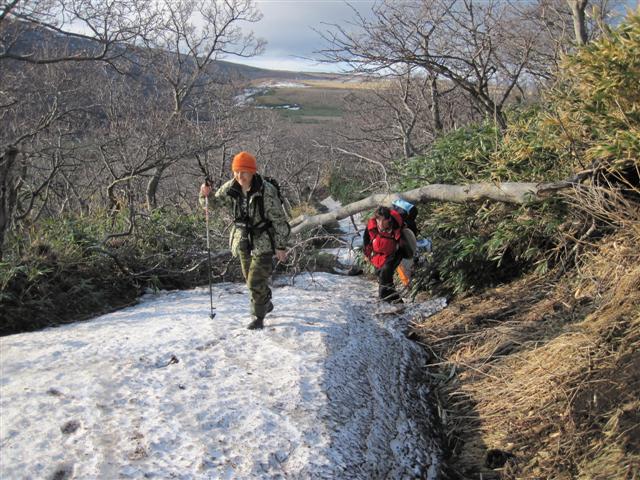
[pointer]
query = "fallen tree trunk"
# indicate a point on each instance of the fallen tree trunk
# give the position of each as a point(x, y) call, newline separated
point(509, 192)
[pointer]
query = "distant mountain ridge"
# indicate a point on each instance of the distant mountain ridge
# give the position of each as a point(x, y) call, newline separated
point(256, 73)
point(22, 39)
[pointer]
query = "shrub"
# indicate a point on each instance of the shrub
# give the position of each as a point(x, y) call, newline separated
point(70, 272)
point(462, 155)
point(597, 102)
point(345, 188)
point(590, 122)
point(477, 245)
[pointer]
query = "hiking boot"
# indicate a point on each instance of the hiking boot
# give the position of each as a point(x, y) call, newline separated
point(256, 324)
point(258, 315)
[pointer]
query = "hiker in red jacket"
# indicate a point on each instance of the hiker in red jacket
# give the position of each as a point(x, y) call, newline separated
point(384, 247)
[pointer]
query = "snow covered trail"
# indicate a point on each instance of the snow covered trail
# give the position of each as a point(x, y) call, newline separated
point(159, 390)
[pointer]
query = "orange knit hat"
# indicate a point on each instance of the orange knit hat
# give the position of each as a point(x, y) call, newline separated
point(244, 162)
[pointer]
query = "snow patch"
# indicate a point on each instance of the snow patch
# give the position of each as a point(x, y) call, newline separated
point(159, 390)
point(352, 228)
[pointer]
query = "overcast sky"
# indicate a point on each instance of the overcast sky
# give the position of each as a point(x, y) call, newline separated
point(287, 26)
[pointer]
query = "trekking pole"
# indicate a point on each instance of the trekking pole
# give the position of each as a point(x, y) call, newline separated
point(206, 214)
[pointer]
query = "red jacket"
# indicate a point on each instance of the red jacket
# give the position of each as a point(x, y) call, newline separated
point(379, 246)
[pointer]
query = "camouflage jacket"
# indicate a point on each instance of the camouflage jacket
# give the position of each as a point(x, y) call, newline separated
point(262, 240)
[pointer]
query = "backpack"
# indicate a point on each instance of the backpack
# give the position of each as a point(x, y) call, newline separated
point(266, 224)
point(275, 183)
point(408, 212)
point(410, 242)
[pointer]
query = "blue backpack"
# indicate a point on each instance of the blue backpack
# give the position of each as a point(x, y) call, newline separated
point(408, 212)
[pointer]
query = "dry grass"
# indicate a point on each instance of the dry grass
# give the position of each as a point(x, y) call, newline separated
point(316, 104)
point(303, 209)
point(541, 379)
point(348, 84)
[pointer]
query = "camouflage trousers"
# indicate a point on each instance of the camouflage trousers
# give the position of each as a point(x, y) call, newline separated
point(257, 271)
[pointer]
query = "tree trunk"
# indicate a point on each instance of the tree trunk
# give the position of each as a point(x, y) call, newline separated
point(579, 23)
point(8, 193)
point(407, 146)
point(499, 117)
point(435, 106)
point(152, 188)
point(509, 192)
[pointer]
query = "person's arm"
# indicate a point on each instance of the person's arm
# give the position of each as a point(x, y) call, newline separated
point(366, 243)
point(217, 200)
point(281, 255)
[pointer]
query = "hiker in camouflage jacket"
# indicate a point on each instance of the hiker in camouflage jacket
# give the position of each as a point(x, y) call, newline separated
point(260, 229)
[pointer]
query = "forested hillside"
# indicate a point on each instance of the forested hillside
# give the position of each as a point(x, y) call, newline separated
point(107, 134)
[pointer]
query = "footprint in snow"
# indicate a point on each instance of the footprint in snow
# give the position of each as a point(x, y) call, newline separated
point(63, 472)
point(207, 345)
point(70, 427)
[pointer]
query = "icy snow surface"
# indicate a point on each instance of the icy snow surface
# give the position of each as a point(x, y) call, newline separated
point(159, 390)
point(353, 229)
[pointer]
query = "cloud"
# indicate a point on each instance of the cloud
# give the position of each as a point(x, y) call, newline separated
point(288, 26)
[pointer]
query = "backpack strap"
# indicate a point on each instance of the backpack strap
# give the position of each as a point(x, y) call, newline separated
point(265, 224)
point(273, 182)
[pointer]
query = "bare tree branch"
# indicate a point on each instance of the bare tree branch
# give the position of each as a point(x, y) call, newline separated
point(508, 192)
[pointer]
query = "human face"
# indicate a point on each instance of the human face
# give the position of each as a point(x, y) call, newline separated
point(383, 223)
point(244, 179)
